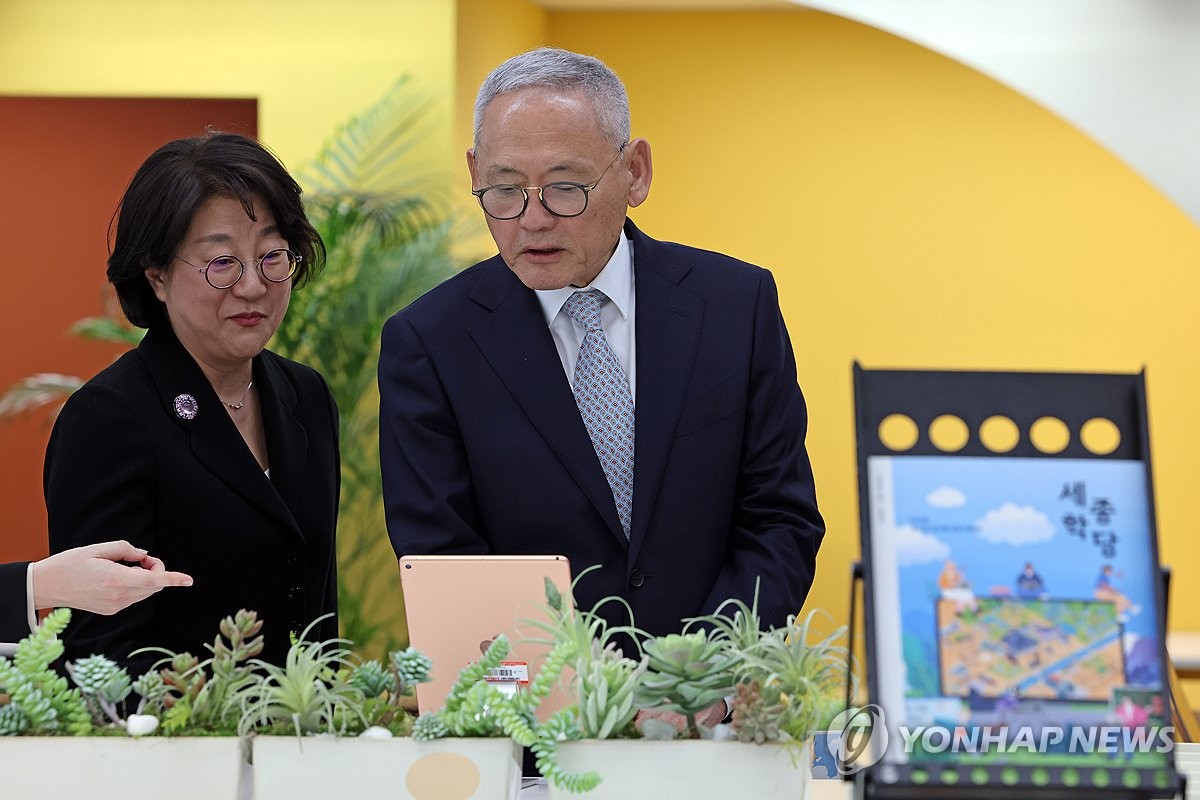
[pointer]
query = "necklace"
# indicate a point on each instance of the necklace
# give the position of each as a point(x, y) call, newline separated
point(238, 405)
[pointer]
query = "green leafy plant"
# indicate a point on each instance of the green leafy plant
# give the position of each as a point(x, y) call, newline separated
point(34, 699)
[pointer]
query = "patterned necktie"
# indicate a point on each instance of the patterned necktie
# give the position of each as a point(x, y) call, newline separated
point(602, 394)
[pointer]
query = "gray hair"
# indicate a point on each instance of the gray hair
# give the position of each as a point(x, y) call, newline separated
point(552, 68)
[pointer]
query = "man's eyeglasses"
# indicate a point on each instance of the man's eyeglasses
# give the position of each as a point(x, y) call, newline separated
point(222, 272)
point(561, 198)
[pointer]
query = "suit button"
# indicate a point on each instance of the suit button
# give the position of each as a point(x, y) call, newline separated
point(294, 592)
point(636, 578)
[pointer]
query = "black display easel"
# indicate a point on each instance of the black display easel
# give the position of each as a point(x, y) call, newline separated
point(1072, 398)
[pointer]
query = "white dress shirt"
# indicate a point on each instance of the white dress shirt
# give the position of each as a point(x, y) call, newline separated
point(617, 315)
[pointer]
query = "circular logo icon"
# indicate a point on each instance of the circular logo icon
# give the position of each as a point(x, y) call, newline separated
point(858, 738)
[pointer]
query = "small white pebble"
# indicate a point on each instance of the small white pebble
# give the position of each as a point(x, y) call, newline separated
point(375, 732)
point(141, 724)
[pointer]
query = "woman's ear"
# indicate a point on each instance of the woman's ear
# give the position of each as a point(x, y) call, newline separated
point(157, 277)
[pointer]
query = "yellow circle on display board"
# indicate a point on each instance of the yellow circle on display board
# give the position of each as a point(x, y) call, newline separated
point(1050, 435)
point(443, 776)
point(1100, 436)
point(999, 434)
point(898, 432)
point(949, 433)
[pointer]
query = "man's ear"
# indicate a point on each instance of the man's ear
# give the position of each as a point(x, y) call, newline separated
point(471, 168)
point(641, 170)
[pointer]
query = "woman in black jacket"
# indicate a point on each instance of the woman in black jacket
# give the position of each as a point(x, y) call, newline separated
point(205, 448)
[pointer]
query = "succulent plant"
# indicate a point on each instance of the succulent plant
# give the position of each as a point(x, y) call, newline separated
point(429, 727)
point(687, 673)
point(372, 679)
point(98, 675)
point(383, 689)
point(412, 667)
point(607, 686)
point(754, 719)
point(153, 691)
point(798, 673)
point(104, 685)
point(195, 696)
point(44, 698)
point(308, 694)
point(470, 703)
point(13, 721)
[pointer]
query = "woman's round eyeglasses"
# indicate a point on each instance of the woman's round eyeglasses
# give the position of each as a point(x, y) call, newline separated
point(276, 266)
point(561, 198)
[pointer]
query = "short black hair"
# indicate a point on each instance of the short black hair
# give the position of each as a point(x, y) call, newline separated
point(157, 208)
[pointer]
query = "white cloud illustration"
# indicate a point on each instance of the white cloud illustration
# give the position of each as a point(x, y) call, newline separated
point(1015, 525)
point(946, 497)
point(915, 546)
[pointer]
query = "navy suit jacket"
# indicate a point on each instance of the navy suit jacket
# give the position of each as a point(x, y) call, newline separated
point(483, 449)
point(14, 602)
point(122, 463)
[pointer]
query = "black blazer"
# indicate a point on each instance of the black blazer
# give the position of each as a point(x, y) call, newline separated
point(122, 463)
point(484, 451)
point(14, 602)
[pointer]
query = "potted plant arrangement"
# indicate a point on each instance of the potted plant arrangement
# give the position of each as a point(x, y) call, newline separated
point(232, 726)
point(780, 683)
point(97, 722)
point(342, 728)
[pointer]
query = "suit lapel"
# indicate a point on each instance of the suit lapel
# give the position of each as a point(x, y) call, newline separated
point(287, 441)
point(668, 320)
point(214, 438)
point(517, 344)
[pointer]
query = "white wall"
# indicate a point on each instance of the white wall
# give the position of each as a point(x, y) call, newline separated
point(1126, 72)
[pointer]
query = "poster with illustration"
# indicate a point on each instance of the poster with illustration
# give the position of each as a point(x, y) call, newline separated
point(1016, 597)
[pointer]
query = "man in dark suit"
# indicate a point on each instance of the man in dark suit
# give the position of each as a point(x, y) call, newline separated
point(591, 391)
point(90, 577)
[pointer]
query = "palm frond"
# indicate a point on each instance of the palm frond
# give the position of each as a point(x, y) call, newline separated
point(368, 152)
point(108, 329)
point(387, 230)
point(36, 391)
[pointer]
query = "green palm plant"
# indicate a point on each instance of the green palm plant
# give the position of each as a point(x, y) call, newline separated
point(388, 232)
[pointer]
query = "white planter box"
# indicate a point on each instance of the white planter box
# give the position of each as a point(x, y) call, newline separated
point(74, 768)
point(697, 770)
point(288, 768)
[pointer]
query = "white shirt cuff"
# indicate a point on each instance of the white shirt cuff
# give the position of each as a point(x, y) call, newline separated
point(30, 611)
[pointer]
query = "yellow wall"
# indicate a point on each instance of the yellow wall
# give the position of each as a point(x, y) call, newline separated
point(915, 214)
point(488, 32)
point(310, 63)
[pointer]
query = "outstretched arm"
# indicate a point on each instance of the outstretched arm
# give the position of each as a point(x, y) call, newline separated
point(93, 578)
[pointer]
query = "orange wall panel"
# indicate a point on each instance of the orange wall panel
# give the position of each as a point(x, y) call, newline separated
point(64, 163)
